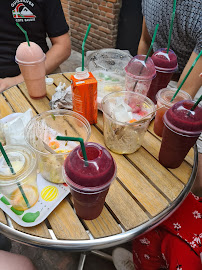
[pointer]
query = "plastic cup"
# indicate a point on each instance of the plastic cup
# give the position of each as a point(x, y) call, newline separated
point(31, 61)
point(139, 74)
point(45, 127)
point(90, 184)
point(165, 65)
point(121, 110)
point(24, 181)
point(163, 98)
point(180, 133)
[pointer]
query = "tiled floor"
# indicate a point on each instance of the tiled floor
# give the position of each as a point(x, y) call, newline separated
point(45, 259)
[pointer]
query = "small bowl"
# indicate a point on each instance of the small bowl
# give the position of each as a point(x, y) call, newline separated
point(44, 128)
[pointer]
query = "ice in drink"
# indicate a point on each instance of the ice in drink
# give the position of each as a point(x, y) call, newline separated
point(163, 98)
point(165, 65)
point(20, 188)
point(182, 129)
point(31, 60)
point(89, 185)
point(121, 111)
point(139, 74)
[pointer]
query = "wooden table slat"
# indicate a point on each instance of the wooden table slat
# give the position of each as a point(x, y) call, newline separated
point(39, 230)
point(154, 202)
point(40, 105)
point(159, 175)
point(103, 226)
point(17, 100)
point(124, 207)
point(5, 109)
point(66, 224)
point(2, 217)
point(58, 78)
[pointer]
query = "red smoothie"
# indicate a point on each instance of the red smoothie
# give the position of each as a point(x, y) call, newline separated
point(89, 185)
point(180, 133)
point(166, 65)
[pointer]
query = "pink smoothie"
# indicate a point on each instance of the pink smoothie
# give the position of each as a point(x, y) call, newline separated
point(31, 61)
point(166, 65)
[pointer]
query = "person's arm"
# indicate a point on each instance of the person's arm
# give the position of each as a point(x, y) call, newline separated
point(58, 53)
point(8, 82)
point(145, 40)
point(193, 82)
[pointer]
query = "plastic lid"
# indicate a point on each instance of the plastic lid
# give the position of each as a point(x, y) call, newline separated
point(165, 62)
point(140, 70)
point(99, 172)
point(29, 54)
point(179, 120)
point(23, 161)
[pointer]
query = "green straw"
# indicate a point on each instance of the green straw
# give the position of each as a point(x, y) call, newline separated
point(13, 172)
point(171, 25)
point(194, 63)
point(78, 139)
point(83, 45)
point(197, 102)
point(152, 42)
point(25, 32)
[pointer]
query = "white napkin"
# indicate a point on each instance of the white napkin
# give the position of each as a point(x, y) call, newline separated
point(13, 128)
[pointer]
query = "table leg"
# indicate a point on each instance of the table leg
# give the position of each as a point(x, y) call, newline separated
point(102, 254)
point(82, 261)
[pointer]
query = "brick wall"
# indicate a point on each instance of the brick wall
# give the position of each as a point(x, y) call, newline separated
point(103, 16)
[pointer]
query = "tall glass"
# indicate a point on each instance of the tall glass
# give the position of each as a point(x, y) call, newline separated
point(163, 98)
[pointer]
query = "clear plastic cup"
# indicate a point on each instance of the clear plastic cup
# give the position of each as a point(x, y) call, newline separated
point(44, 128)
point(165, 65)
point(20, 189)
point(182, 129)
point(121, 111)
point(31, 61)
point(163, 98)
point(139, 74)
point(89, 185)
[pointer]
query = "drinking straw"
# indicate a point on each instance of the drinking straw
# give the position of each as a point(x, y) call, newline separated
point(195, 104)
point(83, 45)
point(13, 172)
point(25, 32)
point(148, 53)
point(194, 63)
point(152, 42)
point(78, 139)
point(171, 25)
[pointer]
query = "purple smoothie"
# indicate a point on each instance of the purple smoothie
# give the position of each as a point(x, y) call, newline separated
point(180, 132)
point(89, 185)
point(166, 65)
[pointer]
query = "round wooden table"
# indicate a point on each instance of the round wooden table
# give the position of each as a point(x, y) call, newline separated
point(143, 194)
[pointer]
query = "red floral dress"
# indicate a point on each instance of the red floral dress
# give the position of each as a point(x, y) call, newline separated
point(176, 243)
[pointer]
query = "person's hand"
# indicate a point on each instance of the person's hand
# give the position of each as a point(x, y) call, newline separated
point(8, 82)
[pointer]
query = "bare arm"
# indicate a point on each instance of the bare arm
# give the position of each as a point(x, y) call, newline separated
point(145, 40)
point(58, 53)
point(193, 82)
